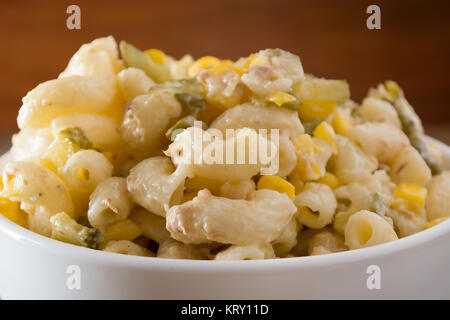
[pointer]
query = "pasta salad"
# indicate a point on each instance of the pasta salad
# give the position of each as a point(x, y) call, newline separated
point(138, 153)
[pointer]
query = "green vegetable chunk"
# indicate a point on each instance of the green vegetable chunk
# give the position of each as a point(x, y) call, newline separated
point(294, 105)
point(391, 92)
point(310, 126)
point(192, 104)
point(66, 229)
point(135, 58)
point(416, 140)
point(67, 142)
point(178, 127)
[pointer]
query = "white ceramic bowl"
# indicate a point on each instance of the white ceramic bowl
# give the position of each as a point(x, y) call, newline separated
point(35, 267)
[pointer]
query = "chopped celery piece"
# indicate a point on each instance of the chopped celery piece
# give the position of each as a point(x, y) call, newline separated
point(191, 86)
point(416, 140)
point(66, 229)
point(293, 105)
point(133, 57)
point(391, 92)
point(323, 89)
point(183, 123)
point(192, 104)
point(67, 142)
point(310, 126)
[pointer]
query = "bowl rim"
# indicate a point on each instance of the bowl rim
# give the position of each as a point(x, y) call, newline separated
point(71, 252)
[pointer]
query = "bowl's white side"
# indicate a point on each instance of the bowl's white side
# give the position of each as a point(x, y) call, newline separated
point(35, 267)
point(411, 268)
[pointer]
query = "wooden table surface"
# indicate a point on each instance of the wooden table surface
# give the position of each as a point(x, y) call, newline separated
point(413, 46)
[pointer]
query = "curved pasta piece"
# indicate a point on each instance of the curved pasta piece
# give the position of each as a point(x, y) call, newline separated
point(31, 144)
point(256, 117)
point(365, 229)
point(273, 70)
point(247, 252)
point(381, 140)
point(197, 183)
point(223, 89)
point(261, 219)
point(146, 120)
point(41, 193)
point(156, 185)
point(134, 82)
point(288, 157)
point(351, 163)
point(325, 242)
point(100, 57)
point(359, 191)
point(179, 68)
point(171, 249)
point(409, 166)
point(316, 205)
point(365, 193)
point(377, 110)
point(127, 247)
point(207, 157)
point(102, 131)
point(65, 96)
point(83, 172)
point(237, 190)
point(407, 222)
point(152, 226)
point(288, 239)
point(438, 197)
point(109, 203)
point(303, 238)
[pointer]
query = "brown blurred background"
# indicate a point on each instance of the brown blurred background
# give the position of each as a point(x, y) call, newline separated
point(412, 47)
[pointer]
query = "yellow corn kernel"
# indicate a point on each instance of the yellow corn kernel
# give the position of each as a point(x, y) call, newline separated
point(325, 132)
point(201, 64)
point(330, 180)
point(312, 110)
point(122, 230)
point(411, 192)
point(307, 166)
point(436, 221)
point(225, 67)
point(156, 55)
point(83, 174)
point(11, 210)
point(341, 123)
point(278, 184)
point(280, 98)
point(227, 62)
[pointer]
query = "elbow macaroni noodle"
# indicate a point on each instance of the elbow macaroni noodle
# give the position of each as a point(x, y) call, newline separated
point(108, 156)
